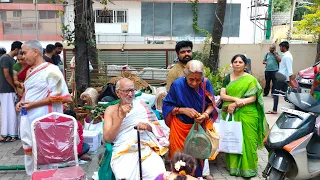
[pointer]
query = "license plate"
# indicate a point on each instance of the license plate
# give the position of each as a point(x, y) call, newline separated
point(303, 90)
point(292, 111)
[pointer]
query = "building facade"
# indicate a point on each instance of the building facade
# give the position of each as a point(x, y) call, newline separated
point(21, 20)
point(154, 21)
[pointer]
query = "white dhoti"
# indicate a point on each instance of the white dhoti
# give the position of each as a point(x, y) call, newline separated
point(9, 119)
point(44, 81)
point(125, 162)
point(151, 167)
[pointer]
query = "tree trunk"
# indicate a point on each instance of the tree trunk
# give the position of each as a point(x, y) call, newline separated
point(318, 49)
point(84, 43)
point(213, 61)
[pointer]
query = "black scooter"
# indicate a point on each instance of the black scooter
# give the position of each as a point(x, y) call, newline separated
point(293, 141)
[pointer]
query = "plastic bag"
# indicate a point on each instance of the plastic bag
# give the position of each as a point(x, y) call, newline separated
point(197, 143)
point(231, 137)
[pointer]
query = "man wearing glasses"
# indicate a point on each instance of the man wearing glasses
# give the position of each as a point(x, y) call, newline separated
point(119, 123)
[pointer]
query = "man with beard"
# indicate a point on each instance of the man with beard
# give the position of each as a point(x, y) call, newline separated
point(119, 122)
point(56, 58)
point(8, 91)
point(49, 53)
point(184, 54)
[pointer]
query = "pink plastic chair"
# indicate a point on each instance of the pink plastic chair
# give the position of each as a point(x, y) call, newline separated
point(54, 138)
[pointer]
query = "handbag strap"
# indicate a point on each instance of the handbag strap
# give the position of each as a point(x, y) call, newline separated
point(204, 85)
point(228, 116)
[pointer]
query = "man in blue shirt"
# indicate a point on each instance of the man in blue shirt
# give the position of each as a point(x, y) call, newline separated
point(285, 68)
point(271, 60)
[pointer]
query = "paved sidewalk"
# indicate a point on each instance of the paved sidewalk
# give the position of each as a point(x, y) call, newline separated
point(217, 167)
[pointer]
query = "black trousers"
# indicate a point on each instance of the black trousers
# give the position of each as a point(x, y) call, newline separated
point(280, 88)
point(269, 76)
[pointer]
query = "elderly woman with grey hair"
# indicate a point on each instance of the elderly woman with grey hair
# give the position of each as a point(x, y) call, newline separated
point(190, 100)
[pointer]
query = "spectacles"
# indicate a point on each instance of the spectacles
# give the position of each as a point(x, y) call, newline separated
point(128, 91)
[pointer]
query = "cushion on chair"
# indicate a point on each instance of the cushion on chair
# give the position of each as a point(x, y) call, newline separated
point(69, 173)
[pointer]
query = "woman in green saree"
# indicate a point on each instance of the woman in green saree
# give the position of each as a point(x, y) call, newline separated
point(242, 96)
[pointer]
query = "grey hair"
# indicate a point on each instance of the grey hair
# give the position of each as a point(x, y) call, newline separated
point(34, 44)
point(194, 66)
point(119, 82)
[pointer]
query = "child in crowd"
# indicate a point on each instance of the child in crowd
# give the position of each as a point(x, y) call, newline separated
point(83, 148)
point(183, 167)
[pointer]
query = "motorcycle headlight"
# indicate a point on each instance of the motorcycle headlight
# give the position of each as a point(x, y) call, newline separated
point(277, 135)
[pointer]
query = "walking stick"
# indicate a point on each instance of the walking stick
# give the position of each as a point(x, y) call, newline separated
point(139, 153)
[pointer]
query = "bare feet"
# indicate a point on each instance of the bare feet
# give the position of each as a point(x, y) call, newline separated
point(85, 157)
point(209, 177)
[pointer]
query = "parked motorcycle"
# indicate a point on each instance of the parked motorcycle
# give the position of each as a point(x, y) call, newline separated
point(293, 141)
point(305, 78)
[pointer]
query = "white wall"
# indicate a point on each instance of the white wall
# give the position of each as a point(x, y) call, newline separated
point(246, 35)
point(111, 33)
point(133, 17)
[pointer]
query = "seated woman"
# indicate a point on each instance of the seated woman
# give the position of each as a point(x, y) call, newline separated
point(20, 71)
point(183, 167)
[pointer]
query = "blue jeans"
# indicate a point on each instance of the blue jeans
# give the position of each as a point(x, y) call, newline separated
point(85, 149)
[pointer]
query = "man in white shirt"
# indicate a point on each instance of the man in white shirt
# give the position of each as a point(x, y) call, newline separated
point(285, 68)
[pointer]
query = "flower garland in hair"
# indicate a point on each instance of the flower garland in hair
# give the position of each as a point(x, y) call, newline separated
point(178, 164)
point(183, 172)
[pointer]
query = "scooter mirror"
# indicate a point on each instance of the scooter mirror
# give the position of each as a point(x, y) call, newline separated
point(280, 77)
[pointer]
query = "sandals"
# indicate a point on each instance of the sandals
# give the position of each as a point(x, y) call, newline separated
point(271, 112)
point(9, 139)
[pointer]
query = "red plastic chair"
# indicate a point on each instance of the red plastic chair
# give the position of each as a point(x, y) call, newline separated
point(54, 138)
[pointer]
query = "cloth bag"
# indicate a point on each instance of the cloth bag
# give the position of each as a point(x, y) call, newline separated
point(231, 137)
point(197, 143)
point(214, 138)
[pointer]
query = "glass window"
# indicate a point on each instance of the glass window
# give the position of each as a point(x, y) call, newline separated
point(121, 16)
point(104, 16)
point(48, 14)
point(3, 16)
point(111, 16)
point(16, 13)
point(52, 14)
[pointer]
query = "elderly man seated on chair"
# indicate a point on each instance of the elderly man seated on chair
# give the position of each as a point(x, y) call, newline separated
point(119, 123)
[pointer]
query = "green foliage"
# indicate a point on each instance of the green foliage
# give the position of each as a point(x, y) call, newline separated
point(195, 26)
point(300, 11)
point(310, 24)
point(281, 5)
point(68, 34)
point(217, 78)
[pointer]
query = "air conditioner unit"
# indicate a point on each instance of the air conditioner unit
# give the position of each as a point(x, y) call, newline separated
point(5, 1)
point(124, 28)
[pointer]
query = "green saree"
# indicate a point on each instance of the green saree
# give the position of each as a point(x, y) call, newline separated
point(254, 126)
